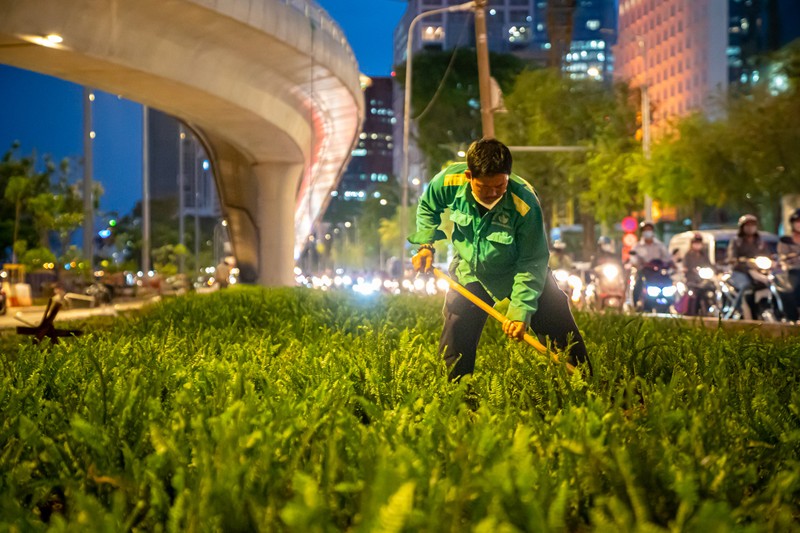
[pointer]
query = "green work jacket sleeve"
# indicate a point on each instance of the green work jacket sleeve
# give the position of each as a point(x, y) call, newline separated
point(438, 197)
point(531, 268)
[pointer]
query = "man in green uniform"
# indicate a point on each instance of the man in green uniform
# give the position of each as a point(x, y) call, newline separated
point(501, 252)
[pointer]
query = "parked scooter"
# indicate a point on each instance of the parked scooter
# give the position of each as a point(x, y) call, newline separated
point(606, 289)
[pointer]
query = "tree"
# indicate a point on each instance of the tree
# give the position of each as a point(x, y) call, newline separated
point(445, 98)
point(16, 192)
point(16, 226)
point(546, 109)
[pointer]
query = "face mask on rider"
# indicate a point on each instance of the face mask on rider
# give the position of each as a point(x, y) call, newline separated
point(647, 234)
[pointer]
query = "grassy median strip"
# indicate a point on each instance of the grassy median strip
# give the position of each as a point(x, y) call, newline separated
point(297, 410)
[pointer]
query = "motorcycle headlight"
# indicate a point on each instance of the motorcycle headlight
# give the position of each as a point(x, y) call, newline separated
point(561, 275)
point(653, 292)
point(706, 273)
point(575, 282)
point(668, 291)
point(764, 263)
point(610, 271)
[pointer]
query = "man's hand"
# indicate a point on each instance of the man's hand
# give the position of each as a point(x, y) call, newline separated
point(423, 261)
point(514, 329)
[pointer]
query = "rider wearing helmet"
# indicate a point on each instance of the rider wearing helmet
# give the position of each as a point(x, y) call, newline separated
point(747, 244)
point(647, 250)
point(605, 252)
point(789, 249)
point(559, 258)
point(695, 258)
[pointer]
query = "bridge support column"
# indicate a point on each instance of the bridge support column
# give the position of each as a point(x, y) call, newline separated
point(277, 190)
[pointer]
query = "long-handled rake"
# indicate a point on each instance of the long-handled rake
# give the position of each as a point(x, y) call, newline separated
point(500, 317)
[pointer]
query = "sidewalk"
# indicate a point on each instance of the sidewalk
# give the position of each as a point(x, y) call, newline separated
point(32, 315)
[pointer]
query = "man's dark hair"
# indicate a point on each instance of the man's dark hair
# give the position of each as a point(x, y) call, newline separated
point(488, 157)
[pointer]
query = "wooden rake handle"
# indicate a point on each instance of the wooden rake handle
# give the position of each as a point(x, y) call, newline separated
point(497, 315)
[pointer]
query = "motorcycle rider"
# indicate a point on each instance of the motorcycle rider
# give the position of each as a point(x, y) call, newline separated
point(789, 246)
point(559, 258)
point(605, 252)
point(647, 250)
point(747, 244)
point(695, 259)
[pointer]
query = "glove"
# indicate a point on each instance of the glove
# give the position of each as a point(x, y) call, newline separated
point(423, 261)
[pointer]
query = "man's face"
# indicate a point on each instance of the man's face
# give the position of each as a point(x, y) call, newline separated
point(487, 189)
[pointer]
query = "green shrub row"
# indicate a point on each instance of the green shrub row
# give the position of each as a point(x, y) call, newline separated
point(295, 410)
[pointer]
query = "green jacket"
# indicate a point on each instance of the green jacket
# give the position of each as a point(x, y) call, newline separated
point(505, 250)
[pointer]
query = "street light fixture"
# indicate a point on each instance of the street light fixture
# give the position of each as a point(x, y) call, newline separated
point(467, 6)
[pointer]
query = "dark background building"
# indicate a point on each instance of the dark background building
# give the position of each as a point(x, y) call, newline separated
point(369, 173)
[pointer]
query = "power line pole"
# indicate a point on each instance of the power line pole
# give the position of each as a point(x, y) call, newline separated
point(484, 73)
point(181, 200)
point(145, 191)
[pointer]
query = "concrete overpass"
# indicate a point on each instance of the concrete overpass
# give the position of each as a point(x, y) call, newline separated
point(270, 86)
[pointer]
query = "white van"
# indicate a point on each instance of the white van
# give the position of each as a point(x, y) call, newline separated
point(716, 241)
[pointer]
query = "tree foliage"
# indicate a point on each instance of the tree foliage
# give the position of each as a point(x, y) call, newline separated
point(746, 160)
point(445, 99)
point(546, 109)
point(37, 204)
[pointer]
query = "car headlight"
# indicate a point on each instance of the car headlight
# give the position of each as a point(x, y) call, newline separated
point(668, 291)
point(764, 263)
point(610, 271)
point(705, 273)
point(653, 292)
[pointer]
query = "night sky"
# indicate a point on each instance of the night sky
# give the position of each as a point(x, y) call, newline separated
point(45, 114)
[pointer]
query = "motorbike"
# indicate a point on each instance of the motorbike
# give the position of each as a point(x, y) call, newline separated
point(657, 289)
point(572, 285)
point(702, 297)
point(761, 299)
point(606, 288)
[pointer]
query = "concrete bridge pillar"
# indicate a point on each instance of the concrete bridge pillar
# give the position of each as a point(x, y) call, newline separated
point(277, 191)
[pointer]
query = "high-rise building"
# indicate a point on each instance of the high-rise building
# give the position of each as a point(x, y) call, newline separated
point(755, 28)
point(677, 50)
point(576, 35)
point(371, 160)
point(168, 143)
point(527, 28)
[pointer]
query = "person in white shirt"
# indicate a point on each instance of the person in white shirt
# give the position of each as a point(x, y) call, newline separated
point(647, 250)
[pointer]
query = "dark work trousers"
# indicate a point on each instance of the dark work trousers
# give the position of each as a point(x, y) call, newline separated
point(464, 321)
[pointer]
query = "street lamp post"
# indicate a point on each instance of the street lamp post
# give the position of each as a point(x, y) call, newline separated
point(648, 200)
point(407, 111)
point(484, 75)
